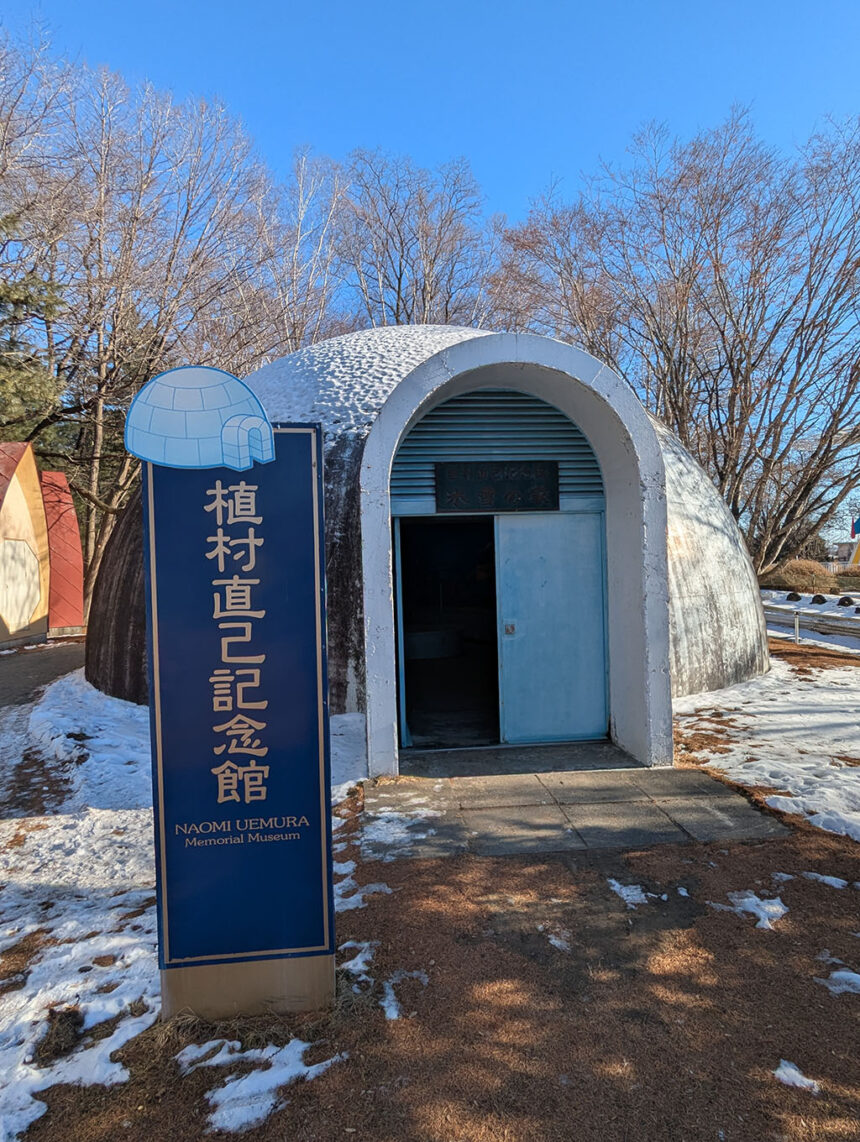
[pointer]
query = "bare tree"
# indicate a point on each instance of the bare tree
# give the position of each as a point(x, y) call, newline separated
point(153, 226)
point(413, 243)
point(721, 279)
point(289, 298)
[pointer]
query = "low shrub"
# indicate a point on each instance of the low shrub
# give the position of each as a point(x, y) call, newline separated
point(804, 575)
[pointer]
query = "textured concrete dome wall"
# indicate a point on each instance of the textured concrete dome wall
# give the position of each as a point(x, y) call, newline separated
point(717, 626)
point(716, 622)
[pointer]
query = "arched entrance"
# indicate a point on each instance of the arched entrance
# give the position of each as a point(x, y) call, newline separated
point(499, 547)
point(628, 453)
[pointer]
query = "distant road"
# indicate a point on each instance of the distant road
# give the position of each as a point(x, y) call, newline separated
point(23, 672)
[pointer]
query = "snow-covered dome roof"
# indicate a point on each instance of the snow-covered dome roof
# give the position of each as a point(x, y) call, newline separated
point(198, 417)
point(342, 383)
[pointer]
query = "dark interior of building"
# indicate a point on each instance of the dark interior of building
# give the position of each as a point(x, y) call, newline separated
point(450, 651)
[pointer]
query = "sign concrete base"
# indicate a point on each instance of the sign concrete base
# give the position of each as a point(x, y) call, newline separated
point(264, 987)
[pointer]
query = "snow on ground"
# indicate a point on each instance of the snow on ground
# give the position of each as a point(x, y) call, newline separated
point(841, 981)
point(79, 883)
point(348, 753)
point(84, 881)
point(789, 1074)
point(791, 734)
point(634, 894)
point(13, 741)
point(809, 612)
point(766, 911)
point(389, 1003)
point(561, 939)
point(246, 1100)
point(108, 738)
point(359, 965)
point(388, 833)
point(831, 607)
point(847, 642)
point(348, 895)
point(830, 881)
point(631, 894)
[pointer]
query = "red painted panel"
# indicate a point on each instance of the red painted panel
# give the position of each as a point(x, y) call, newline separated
point(66, 606)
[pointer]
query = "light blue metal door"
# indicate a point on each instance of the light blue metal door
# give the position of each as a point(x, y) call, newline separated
point(552, 645)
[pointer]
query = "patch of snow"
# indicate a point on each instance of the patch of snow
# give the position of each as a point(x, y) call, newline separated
point(109, 738)
point(247, 1100)
point(789, 1074)
point(782, 877)
point(787, 733)
point(767, 912)
point(359, 965)
point(682, 891)
point(389, 1001)
point(387, 834)
point(211, 1054)
point(348, 736)
point(831, 881)
point(13, 741)
point(825, 957)
point(631, 894)
point(842, 981)
point(348, 895)
point(850, 643)
point(67, 877)
point(561, 940)
point(343, 382)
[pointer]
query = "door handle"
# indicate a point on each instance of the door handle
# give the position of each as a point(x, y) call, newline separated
point(510, 628)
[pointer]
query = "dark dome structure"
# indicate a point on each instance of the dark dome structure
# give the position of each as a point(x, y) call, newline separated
point(669, 571)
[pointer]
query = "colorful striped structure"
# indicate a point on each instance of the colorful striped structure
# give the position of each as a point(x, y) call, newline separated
point(66, 599)
point(41, 564)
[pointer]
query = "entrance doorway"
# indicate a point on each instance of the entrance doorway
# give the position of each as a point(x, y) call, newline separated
point(447, 632)
point(501, 629)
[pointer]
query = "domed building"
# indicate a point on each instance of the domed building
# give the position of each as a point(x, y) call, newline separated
point(517, 553)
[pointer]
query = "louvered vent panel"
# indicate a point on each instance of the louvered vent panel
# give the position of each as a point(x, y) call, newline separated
point(493, 424)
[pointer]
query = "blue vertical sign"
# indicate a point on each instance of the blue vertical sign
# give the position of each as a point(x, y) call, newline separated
point(235, 598)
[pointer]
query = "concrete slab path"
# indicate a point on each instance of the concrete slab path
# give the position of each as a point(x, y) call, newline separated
point(559, 812)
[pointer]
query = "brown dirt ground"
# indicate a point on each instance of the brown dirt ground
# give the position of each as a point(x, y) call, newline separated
point(805, 658)
point(661, 1023)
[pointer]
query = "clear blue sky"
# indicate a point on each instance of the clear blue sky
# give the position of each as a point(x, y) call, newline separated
point(527, 91)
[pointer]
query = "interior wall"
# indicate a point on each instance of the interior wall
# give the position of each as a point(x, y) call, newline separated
point(625, 443)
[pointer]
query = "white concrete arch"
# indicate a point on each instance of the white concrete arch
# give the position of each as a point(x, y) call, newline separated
point(631, 461)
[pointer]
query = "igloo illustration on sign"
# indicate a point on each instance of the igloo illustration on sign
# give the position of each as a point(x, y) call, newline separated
point(199, 417)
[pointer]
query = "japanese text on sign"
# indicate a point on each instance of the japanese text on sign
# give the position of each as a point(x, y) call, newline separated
point(236, 680)
point(497, 486)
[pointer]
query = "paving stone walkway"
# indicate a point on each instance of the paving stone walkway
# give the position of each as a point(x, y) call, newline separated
point(557, 812)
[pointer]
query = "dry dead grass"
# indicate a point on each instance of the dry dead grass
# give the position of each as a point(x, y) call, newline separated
point(663, 1023)
point(805, 658)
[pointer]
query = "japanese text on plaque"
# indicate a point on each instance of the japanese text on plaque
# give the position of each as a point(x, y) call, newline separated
point(238, 727)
